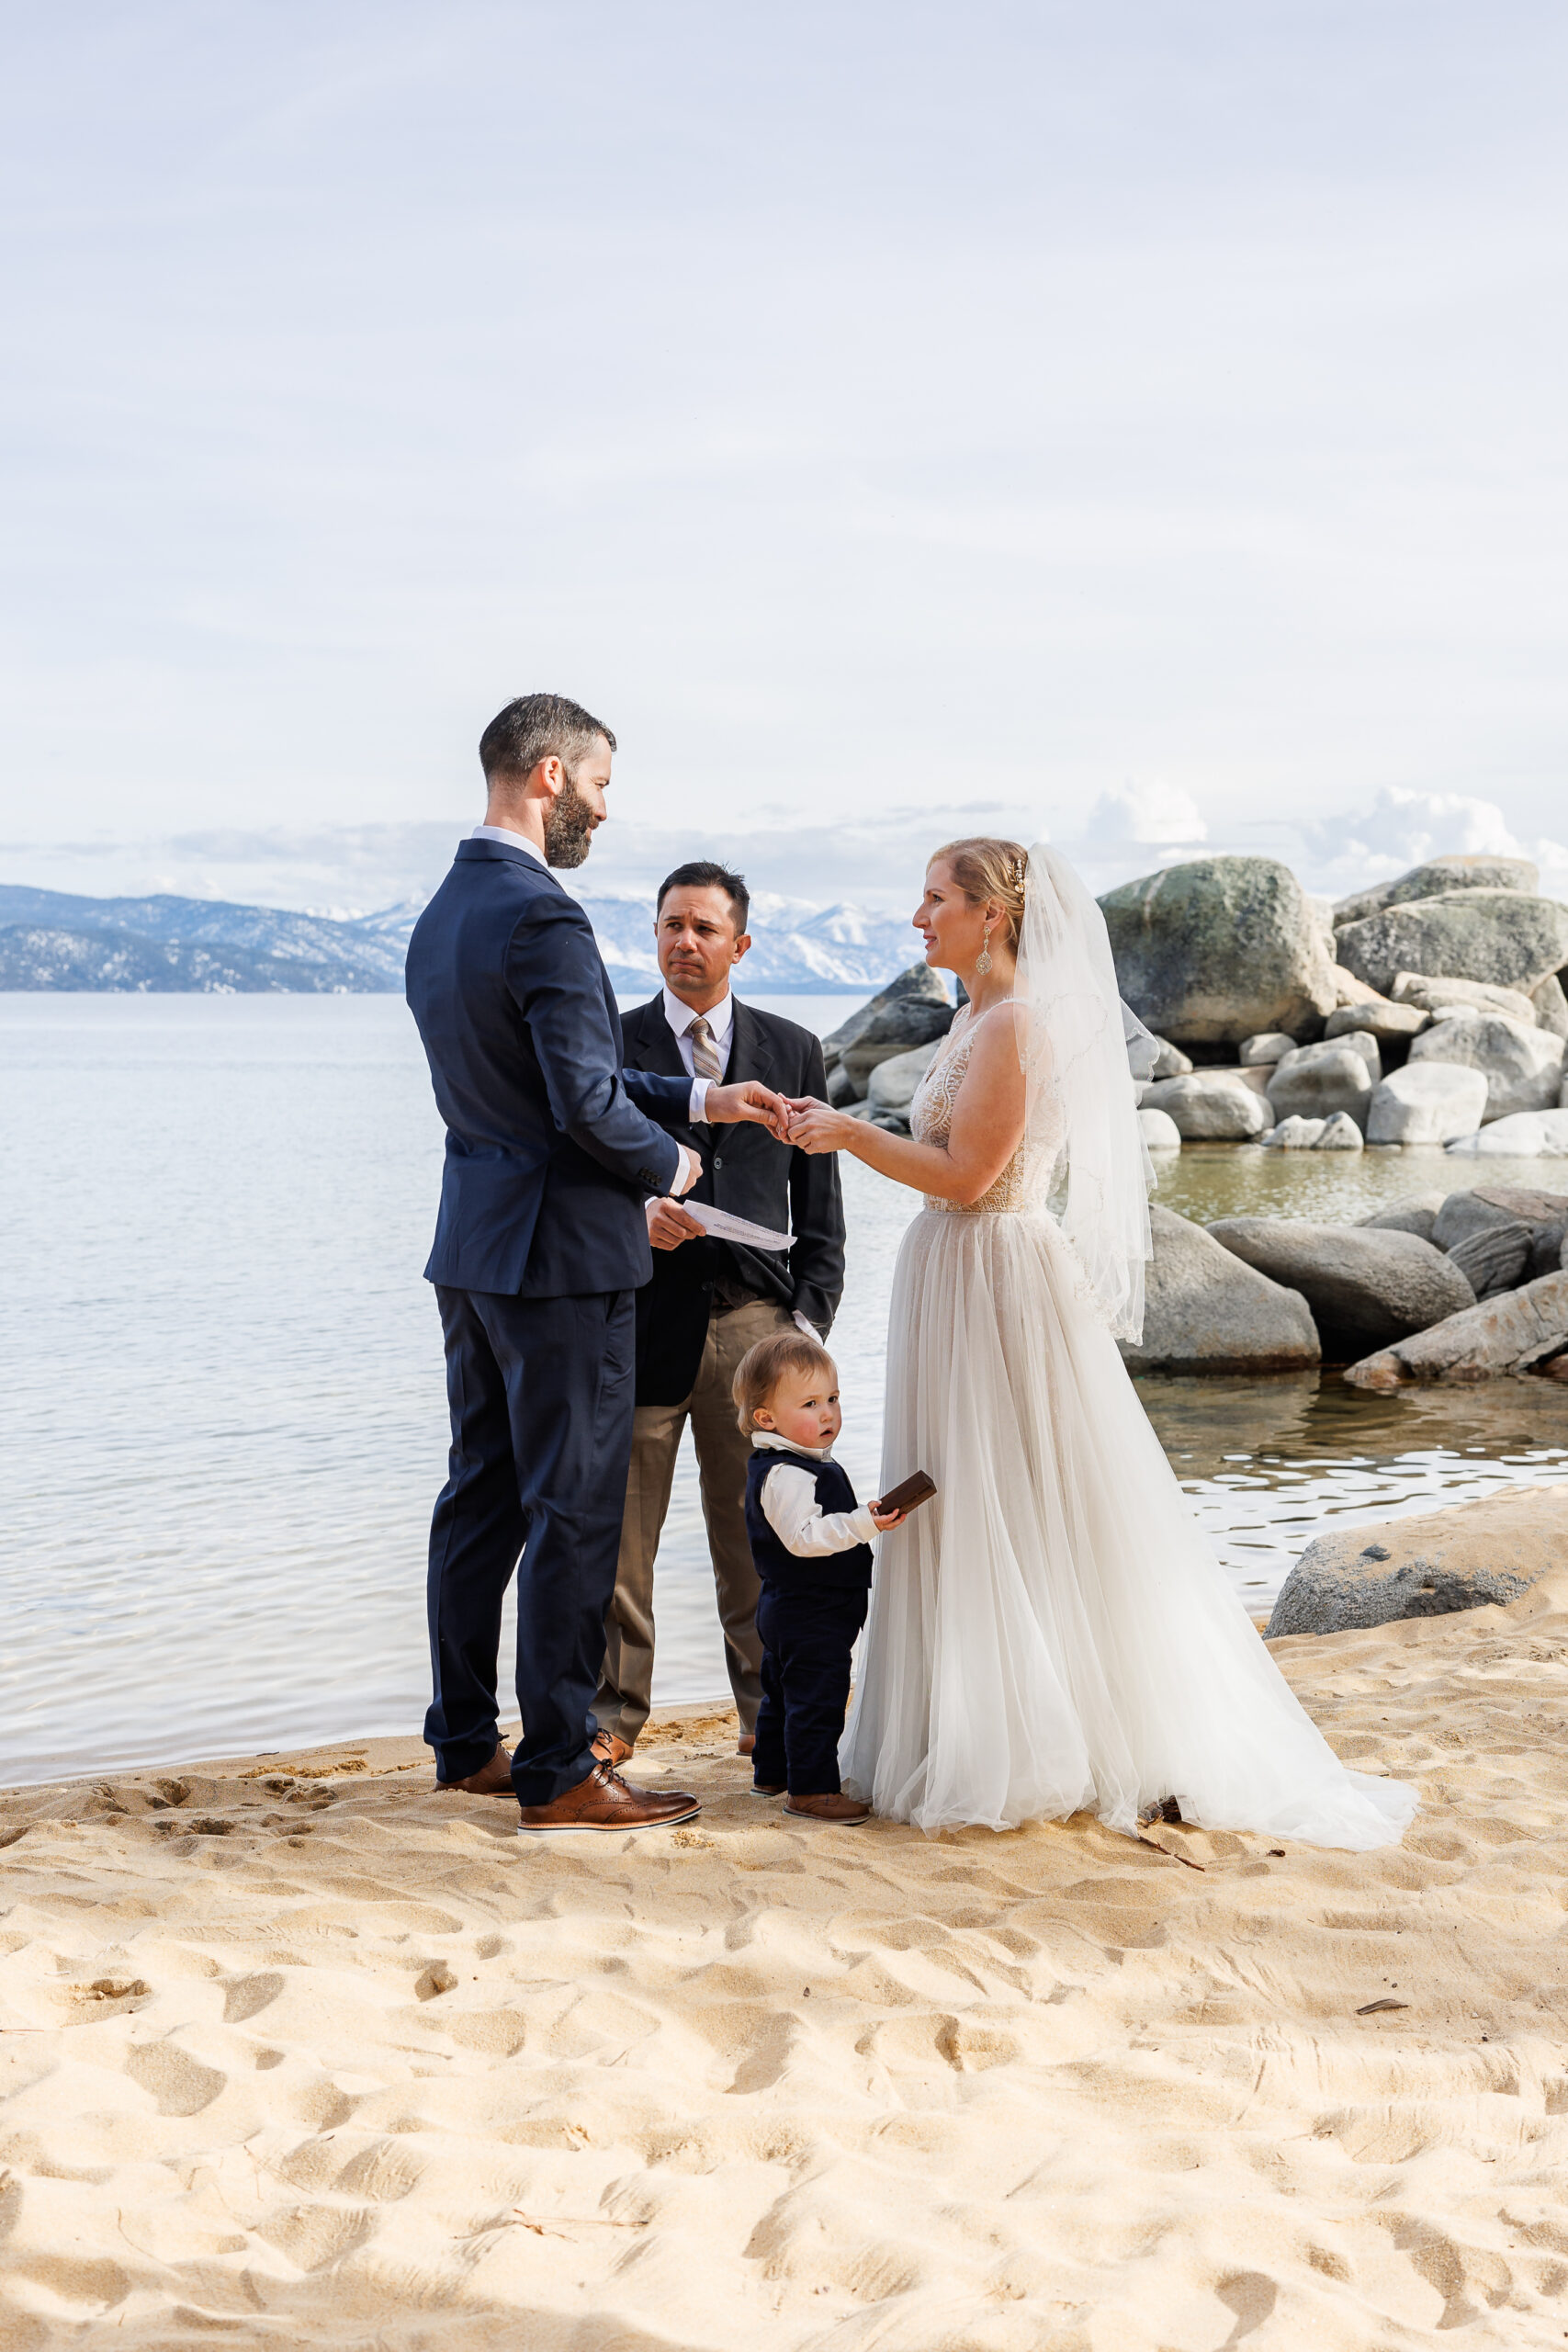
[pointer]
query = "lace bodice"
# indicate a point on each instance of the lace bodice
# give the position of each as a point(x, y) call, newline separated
point(931, 1120)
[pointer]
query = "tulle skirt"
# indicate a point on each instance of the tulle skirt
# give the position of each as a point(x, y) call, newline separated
point(1052, 1633)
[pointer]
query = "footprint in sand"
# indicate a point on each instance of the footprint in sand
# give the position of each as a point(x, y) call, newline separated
point(180, 2084)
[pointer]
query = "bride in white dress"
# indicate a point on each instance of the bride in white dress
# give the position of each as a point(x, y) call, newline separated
point(1052, 1633)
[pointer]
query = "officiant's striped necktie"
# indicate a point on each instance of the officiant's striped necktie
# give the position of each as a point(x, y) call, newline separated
point(706, 1062)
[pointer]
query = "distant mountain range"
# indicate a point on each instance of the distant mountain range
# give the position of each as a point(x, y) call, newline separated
point(55, 940)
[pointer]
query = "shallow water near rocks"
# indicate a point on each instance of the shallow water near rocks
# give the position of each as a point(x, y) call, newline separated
point(1213, 1179)
point(226, 1414)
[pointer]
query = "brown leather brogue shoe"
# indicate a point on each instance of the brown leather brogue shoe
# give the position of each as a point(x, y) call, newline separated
point(492, 1780)
point(610, 1748)
point(760, 1789)
point(604, 1802)
point(842, 1811)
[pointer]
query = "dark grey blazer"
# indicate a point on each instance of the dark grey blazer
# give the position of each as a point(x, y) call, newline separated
point(746, 1171)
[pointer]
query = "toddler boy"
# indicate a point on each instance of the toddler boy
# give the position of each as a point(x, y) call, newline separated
point(811, 1549)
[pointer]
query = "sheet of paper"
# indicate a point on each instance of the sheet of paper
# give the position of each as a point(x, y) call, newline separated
point(725, 1227)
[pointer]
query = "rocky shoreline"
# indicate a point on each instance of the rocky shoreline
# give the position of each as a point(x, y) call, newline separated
point(1428, 1011)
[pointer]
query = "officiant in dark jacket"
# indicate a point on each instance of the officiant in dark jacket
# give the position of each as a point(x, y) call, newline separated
point(709, 1301)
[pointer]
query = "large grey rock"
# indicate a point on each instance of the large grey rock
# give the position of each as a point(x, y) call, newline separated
point(1350, 990)
point(1525, 1134)
point(1523, 1067)
point(1497, 1208)
point(1208, 1108)
point(1316, 1080)
point(1467, 1211)
point(1411, 1213)
point(1294, 1135)
point(1438, 995)
point(1205, 1311)
point(893, 1082)
point(1321, 910)
point(1492, 1550)
point(908, 1012)
point(1391, 1024)
point(1268, 1046)
point(1365, 1286)
point(1160, 1131)
point(1426, 1103)
point(1473, 871)
point(1509, 1333)
point(1551, 1006)
point(1170, 1061)
point(1500, 936)
point(1336, 1132)
point(1219, 949)
point(1497, 1259)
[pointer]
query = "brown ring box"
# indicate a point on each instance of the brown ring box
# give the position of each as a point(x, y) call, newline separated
point(916, 1488)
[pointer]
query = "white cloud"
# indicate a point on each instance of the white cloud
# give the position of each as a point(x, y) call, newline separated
point(1403, 828)
point(1553, 859)
point(1155, 812)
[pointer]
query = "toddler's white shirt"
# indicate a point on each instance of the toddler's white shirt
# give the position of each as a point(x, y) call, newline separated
point(792, 1510)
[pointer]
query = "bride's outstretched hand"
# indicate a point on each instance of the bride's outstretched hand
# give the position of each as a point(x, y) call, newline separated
point(814, 1127)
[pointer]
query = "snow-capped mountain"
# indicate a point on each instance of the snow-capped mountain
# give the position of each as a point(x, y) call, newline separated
point(52, 939)
point(56, 940)
point(797, 948)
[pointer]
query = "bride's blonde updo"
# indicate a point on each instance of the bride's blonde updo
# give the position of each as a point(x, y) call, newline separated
point(985, 868)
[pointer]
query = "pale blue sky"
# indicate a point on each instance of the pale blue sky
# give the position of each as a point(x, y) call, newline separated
point(1145, 416)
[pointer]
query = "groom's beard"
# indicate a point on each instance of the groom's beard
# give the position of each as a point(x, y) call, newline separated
point(568, 828)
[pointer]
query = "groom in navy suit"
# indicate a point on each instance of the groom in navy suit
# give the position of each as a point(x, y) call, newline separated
point(552, 1148)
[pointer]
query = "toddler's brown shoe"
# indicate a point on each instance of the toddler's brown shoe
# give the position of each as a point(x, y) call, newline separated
point(844, 1813)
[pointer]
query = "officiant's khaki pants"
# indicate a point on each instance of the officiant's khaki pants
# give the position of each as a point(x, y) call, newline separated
point(626, 1683)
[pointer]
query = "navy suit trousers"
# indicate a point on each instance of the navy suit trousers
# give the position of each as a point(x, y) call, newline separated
point(541, 1395)
point(807, 1636)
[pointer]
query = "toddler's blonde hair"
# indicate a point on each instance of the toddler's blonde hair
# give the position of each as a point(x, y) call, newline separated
point(762, 1368)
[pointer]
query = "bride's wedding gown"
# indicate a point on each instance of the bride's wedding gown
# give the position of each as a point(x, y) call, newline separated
point(1052, 1633)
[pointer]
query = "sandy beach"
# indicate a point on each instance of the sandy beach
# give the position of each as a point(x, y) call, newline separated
point(296, 2049)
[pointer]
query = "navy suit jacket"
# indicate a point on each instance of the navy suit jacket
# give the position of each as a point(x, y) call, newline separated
point(551, 1146)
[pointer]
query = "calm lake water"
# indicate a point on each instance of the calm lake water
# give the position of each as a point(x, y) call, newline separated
point(225, 1413)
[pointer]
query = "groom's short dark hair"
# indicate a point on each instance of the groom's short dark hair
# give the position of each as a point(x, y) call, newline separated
point(702, 874)
point(535, 728)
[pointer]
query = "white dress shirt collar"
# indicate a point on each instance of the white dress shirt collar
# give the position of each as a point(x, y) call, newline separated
point(770, 1441)
point(720, 1021)
point(512, 841)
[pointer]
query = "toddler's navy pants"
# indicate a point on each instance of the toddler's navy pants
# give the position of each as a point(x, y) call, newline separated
point(807, 1636)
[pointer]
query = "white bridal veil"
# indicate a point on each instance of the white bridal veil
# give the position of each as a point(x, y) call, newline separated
point(1082, 1049)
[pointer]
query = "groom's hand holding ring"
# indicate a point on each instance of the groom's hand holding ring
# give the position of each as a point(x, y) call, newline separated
point(748, 1100)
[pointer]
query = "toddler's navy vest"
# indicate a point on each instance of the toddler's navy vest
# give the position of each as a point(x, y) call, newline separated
point(786, 1570)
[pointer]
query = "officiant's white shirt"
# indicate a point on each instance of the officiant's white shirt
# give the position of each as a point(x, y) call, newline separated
point(698, 1104)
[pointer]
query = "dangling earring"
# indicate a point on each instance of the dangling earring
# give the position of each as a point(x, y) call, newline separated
point(983, 961)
